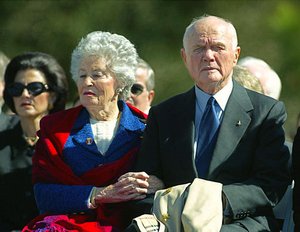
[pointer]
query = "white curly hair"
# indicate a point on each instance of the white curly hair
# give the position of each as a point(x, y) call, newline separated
point(119, 53)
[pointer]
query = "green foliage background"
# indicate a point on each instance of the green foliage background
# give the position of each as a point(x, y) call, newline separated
point(267, 29)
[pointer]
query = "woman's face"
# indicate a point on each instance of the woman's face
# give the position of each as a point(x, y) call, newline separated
point(96, 83)
point(28, 105)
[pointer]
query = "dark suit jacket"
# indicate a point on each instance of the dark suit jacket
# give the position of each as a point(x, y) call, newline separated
point(296, 177)
point(249, 158)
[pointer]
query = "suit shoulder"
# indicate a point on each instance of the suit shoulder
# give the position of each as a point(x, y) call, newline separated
point(175, 101)
point(258, 97)
point(262, 102)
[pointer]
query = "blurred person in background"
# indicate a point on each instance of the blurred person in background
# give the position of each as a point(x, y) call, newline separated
point(142, 91)
point(83, 151)
point(35, 85)
point(268, 78)
point(246, 79)
point(6, 120)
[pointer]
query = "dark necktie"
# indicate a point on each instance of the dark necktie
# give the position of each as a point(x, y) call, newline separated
point(207, 134)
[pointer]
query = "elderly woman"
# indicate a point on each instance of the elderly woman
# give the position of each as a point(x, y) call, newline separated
point(83, 151)
point(35, 85)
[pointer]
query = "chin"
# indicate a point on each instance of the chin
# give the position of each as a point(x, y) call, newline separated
point(29, 114)
point(88, 104)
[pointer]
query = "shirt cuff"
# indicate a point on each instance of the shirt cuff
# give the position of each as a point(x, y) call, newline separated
point(91, 200)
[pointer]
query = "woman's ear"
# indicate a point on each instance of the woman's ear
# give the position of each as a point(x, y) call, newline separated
point(119, 90)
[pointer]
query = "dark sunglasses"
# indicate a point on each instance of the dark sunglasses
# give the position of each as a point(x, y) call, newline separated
point(137, 89)
point(34, 88)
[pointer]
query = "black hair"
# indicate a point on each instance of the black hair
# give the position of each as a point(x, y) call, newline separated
point(55, 76)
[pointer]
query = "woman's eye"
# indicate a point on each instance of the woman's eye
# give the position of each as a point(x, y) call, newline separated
point(82, 76)
point(98, 75)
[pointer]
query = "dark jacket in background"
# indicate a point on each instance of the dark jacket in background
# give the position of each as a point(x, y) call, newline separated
point(16, 195)
point(296, 177)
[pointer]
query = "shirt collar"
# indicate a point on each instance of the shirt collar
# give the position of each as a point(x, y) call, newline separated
point(127, 120)
point(221, 96)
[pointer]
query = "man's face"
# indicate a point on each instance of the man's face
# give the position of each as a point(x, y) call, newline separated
point(210, 55)
point(140, 97)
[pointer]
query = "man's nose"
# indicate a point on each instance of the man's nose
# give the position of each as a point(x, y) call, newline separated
point(208, 55)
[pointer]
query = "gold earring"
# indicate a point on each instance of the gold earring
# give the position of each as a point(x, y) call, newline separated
point(118, 91)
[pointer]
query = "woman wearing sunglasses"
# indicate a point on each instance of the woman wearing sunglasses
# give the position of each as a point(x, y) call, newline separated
point(83, 151)
point(35, 85)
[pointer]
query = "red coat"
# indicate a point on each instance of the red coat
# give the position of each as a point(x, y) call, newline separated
point(49, 167)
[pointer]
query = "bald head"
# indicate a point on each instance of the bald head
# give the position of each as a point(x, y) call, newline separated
point(268, 78)
point(196, 24)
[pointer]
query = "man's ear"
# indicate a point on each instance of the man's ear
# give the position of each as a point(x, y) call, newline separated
point(151, 95)
point(237, 54)
point(183, 55)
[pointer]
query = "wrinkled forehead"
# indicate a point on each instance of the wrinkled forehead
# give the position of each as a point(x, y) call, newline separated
point(212, 29)
point(92, 62)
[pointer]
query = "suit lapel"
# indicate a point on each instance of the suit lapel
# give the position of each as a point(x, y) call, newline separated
point(234, 124)
point(82, 133)
point(185, 128)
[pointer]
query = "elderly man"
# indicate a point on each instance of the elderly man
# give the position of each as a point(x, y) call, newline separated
point(219, 132)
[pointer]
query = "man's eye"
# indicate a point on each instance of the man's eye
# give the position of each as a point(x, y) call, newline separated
point(82, 76)
point(217, 48)
point(199, 49)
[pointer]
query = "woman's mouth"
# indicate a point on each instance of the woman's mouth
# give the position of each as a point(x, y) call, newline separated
point(89, 93)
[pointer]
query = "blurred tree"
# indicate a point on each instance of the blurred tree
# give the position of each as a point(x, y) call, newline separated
point(285, 23)
point(267, 29)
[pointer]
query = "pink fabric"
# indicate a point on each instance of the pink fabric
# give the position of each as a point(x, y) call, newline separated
point(63, 223)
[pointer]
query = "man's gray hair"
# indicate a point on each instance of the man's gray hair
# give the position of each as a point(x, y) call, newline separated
point(150, 82)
